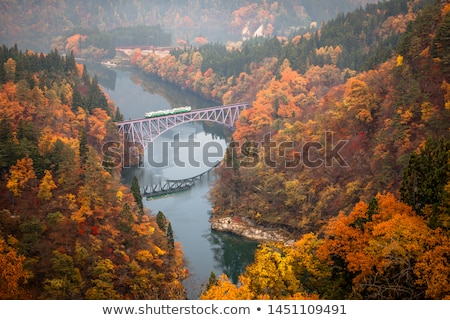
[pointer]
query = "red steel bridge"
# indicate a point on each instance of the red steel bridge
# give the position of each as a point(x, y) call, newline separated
point(146, 130)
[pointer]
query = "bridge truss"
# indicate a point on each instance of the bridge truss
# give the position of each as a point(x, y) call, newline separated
point(172, 186)
point(147, 130)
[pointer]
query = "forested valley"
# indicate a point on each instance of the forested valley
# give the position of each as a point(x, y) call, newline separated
point(371, 224)
point(344, 150)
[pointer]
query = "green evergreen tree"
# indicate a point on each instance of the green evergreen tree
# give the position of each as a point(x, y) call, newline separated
point(212, 281)
point(136, 191)
point(96, 98)
point(71, 65)
point(118, 116)
point(9, 150)
point(85, 76)
point(170, 237)
point(161, 221)
point(126, 219)
point(441, 46)
point(77, 100)
point(426, 177)
point(83, 146)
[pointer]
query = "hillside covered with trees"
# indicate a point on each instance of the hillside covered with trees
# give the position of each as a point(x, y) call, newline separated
point(68, 228)
point(345, 150)
point(33, 24)
point(347, 135)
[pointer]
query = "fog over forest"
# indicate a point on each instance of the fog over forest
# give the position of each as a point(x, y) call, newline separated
point(33, 24)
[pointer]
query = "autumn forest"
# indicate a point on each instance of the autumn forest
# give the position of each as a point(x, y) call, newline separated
point(369, 86)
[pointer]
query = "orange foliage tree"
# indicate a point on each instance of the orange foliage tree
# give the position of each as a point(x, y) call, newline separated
point(73, 43)
point(12, 271)
point(388, 252)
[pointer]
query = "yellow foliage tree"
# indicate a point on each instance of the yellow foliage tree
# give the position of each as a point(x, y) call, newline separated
point(308, 267)
point(359, 100)
point(225, 290)
point(446, 89)
point(144, 256)
point(46, 186)
point(19, 175)
point(10, 68)
point(276, 274)
point(103, 282)
point(272, 273)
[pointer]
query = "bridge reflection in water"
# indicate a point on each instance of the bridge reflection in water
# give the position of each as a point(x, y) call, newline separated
point(146, 130)
point(171, 186)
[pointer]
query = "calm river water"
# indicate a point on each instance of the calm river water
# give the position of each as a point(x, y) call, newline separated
point(205, 250)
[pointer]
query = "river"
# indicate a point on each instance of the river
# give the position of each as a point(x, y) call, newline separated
point(188, 211)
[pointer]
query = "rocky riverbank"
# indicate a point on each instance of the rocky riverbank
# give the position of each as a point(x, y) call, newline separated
point(246, 228)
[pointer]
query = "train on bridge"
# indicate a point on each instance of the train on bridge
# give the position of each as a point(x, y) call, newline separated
point(161, 113)
point(155, 123)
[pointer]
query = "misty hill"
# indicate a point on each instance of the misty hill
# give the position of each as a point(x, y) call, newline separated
point(32, 24)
